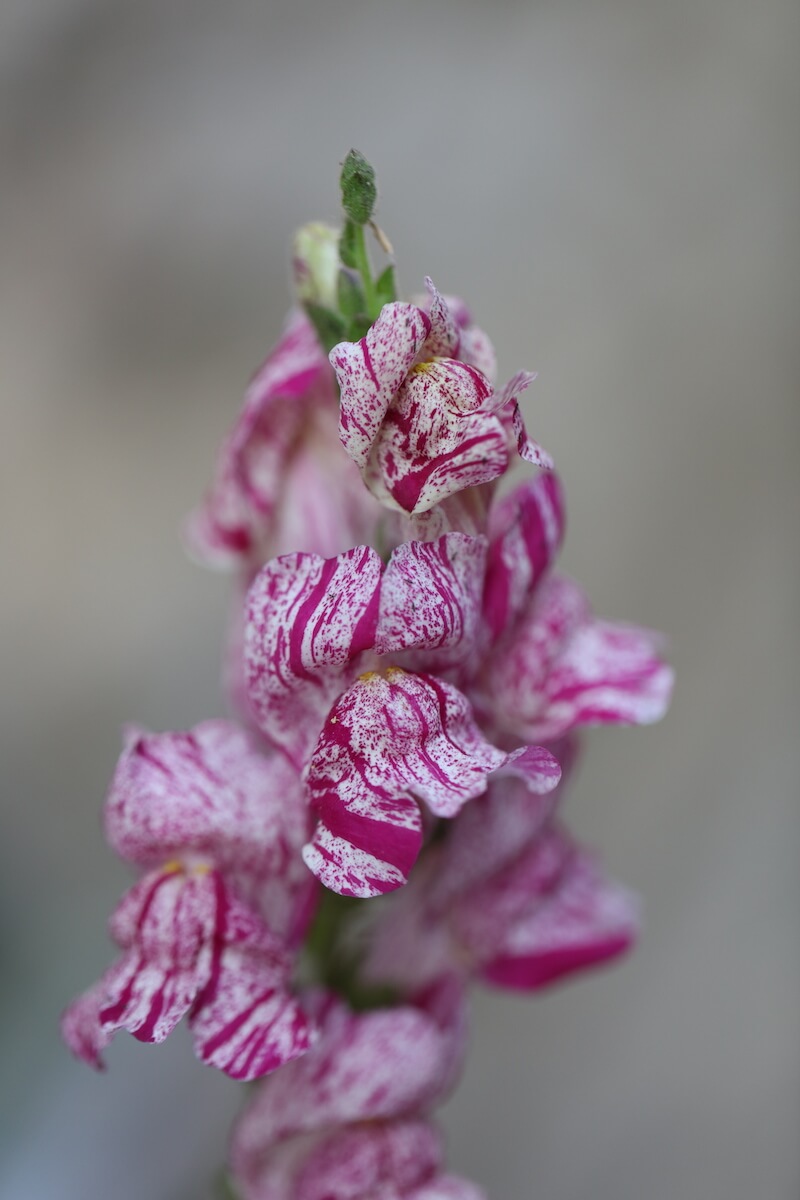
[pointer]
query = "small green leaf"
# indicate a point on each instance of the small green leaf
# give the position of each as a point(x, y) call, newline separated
point(349, 293)
point(385, 288)
point(329, 325)
point(359, 191)
point(349, 243)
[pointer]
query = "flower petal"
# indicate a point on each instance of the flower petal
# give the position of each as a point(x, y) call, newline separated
point(236, 520)
point(610, 673)
point(435, 440)
point(430, 599)
point(444, 337)
point(246, 1022)
point(370, 1066)
point(167, 924)
point(308, 617)
point(387, 1159)
point(367, 847)
point(81, 1028)
point(370, 372)
point(585, 920)
point(526, 529)
point(506, 404)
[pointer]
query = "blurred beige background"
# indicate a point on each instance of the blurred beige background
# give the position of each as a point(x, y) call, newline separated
point(614, 188)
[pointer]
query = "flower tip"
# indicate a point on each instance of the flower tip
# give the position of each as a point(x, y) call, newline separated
point(359, 190)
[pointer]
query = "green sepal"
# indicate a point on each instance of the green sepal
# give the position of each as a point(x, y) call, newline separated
point(349, 294)
point(349, 245)
point(385, 287)
point(330, 327)
point(359, 191)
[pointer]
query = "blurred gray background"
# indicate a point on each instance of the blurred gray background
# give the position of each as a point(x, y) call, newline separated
point(613, 186)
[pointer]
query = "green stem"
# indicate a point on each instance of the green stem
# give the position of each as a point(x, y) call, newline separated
point(365, 271)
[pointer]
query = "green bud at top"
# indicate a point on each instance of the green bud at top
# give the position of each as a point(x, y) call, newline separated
point(315, 264)
point(359, 191)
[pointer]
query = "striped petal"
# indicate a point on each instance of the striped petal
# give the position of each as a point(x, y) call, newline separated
point(569, 917)
point(246, 1023)
point(308, 618)
point(371, 371)
point(435, 440)
point(526, 529)
point(388, 739)
point(167, 924)
point(213, 791)
point(237, 518)
point(430, 600)
point(563, 668)
point(366, 1067)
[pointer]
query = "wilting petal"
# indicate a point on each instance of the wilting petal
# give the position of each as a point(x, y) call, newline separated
point(430, 599)
point(308, 617)
point(246, 1022)
point(167, 924)
point(585, 919)
point(236, 520)
point(526, 529)
point(435, 440)
point(371, 371)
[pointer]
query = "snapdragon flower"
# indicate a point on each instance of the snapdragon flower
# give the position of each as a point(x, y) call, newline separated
point(410, 674)
point(212, 927)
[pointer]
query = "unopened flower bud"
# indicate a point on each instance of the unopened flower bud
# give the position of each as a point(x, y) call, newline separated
point(315, 264)
point(359, 191)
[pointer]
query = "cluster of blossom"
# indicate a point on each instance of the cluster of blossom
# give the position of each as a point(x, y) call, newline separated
point(409, 674)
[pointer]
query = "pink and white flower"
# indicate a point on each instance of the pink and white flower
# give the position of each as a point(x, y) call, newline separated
point(418, 414)
point(211, 928)
point(350, 1120)
point(373, 738)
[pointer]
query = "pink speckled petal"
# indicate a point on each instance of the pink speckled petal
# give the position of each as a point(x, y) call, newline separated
point(211, 790)
point(246, 1023)
point(237, 516)
point(526, 529)
point(81, 1028)
point(506, 404)
point(167, 924)
point(308, 617)
point(388, 738)
point(435, 439)
point(386, 1159)
point(431, 599)
point(367, 846)
point(444, 338)
point(370, 372)
point(580, 920)
point(609, 673)
point(516, 674)
point(371, 1066)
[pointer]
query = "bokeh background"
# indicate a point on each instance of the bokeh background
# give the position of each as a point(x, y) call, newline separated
point(614, 187)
